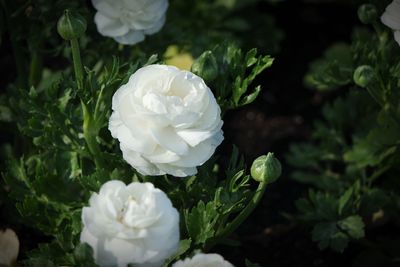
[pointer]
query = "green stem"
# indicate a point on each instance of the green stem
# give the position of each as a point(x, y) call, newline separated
point(378, 173)
point(98, 103)
point(76, 57)
point(35, 69)
point(90, 129)
point(90, 132)
point(241, 217)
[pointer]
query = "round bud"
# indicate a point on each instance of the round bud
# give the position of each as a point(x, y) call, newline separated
point(364, 75)
point(266, 168)
point(71, 25)
point(206, 66)
point(367, 13)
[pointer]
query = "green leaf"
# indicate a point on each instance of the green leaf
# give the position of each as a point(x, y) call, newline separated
point(83, 255)
point(328, 235)
point(251, 97)
point(333, 70)
point(344, 199)
point(200, 222)
point(184, 246)
point(353, 226)
point(250, 264)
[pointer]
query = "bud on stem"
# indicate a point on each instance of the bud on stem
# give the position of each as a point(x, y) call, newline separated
point(266, 168)
point(71, 25)
point(364, 75)
point(367, 13)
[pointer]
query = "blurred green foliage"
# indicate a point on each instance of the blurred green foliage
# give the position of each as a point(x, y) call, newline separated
point(352, 160)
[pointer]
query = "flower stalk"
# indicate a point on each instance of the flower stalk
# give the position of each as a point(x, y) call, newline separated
point(71, 26)
point(90, 131)
point(76, 58)
point(246, 211)
point(225, 232)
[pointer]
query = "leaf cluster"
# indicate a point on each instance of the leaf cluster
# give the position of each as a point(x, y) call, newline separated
point(234, 72)
point(353, 156)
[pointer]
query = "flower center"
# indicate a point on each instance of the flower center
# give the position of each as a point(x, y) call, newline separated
point(128, 205)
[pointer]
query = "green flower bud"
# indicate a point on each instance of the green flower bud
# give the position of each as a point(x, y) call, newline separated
point(364, 75)
point(71, 25)
point(266, 168)
point(206, 66)
point(367, 13)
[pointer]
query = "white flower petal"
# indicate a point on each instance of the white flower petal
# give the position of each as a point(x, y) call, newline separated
point(156, 27)
point(130, 38)
point(107, 8)
point(194, 136)
point(168, 139)
point(162, 155)
point(203, 260)
point(109, 27)
point(141, 164)
point(137, 142)
point(198, 154)
point(176, 170)
point(391, 16)
point(397, 36)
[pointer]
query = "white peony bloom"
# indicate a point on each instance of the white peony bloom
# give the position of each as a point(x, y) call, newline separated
point(128, 21)
point(203, 260)
point(166, 120)
point(391, 18)
point(133, 223)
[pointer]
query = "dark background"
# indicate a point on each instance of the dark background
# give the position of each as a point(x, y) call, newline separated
point(283, 114)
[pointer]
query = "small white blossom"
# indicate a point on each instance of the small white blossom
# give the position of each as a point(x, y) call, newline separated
point(166, 120)
point(391, 18)
point(128, 21)
point(203, 260)
point(133, 223)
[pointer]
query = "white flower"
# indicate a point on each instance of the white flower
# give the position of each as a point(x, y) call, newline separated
point(203, 260)
point(391, 18)
point(166, 120)
point(130, 224)
point(128, 21)
point(9, 248)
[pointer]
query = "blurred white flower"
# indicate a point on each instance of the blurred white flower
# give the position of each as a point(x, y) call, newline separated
point(9, 248)
point(203, 260)
point(133, 223)
point(128, 21)
point(391, 18)
point(166, 120)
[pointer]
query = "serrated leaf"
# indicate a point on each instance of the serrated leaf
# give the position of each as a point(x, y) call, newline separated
point(328, 235)
point(251, 97)
point(353, 226)
point(200, 222)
